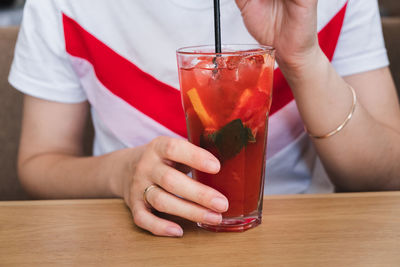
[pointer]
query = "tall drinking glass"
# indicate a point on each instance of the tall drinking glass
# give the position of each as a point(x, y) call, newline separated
point(227, 97)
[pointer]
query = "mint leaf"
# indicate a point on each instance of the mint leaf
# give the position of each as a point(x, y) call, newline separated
point(229, 140)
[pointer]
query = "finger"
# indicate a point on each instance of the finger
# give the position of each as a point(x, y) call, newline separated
point(182, 151)
point(180, 184)
point(170, 204)
point(143, 218)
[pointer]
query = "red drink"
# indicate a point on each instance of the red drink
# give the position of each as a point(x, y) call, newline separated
point(226, 98)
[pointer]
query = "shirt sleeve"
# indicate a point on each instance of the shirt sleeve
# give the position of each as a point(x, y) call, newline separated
point(41, 67)
point(361, 45)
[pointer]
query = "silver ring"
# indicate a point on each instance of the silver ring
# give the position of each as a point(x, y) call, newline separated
point(153, 186)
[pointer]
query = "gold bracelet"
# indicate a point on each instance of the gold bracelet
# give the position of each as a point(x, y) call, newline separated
point(341, 126)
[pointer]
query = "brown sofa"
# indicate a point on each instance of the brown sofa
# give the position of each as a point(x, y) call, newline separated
point(10, 122)
point(11, 103)
point(389, 7)
point(391, 31)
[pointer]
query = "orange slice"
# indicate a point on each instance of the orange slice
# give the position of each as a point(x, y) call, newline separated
point(198, 106)
point(240, 109)
point(244, 97)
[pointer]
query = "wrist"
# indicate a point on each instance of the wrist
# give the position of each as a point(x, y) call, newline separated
point(123, 165)
point(120, 164)
point(300, 68)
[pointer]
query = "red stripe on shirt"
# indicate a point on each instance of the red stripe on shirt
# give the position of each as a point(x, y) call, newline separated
point(154, 98)
point(150, 96)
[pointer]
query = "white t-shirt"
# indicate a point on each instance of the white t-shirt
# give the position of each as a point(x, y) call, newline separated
point(120, 56)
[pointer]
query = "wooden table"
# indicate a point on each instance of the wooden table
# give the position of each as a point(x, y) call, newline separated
point(305, 230)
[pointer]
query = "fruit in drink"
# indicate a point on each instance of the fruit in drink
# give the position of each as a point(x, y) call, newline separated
point(226, 101)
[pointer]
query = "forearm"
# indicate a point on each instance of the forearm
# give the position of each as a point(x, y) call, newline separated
point(363, 155)
point(58, 175)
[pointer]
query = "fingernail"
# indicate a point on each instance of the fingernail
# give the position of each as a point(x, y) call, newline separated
point(219, 203)
point(212, 218)
point(212, 165)
point(174, 231)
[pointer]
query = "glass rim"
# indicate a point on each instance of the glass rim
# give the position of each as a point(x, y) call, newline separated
point(259, 50)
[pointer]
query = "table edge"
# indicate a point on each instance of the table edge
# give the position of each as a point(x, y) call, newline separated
point(336, 195)
point(270, 197)
point(51, 202)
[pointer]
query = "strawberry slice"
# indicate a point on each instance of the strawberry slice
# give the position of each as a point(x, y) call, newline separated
point(265, 80)
point(252, 109)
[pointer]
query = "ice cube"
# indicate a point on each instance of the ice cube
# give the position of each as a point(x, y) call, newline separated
point(220, 62)
point(203, 70)
point(232, 62)
point(189, 62)
point(249, 69)
point(254, 60)
point(205, 62)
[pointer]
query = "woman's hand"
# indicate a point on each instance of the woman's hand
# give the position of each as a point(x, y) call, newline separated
point(51, 165)
point(288, 25)
point(157, 163)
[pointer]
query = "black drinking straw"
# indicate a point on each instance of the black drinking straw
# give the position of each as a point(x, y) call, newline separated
point(217, 26)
